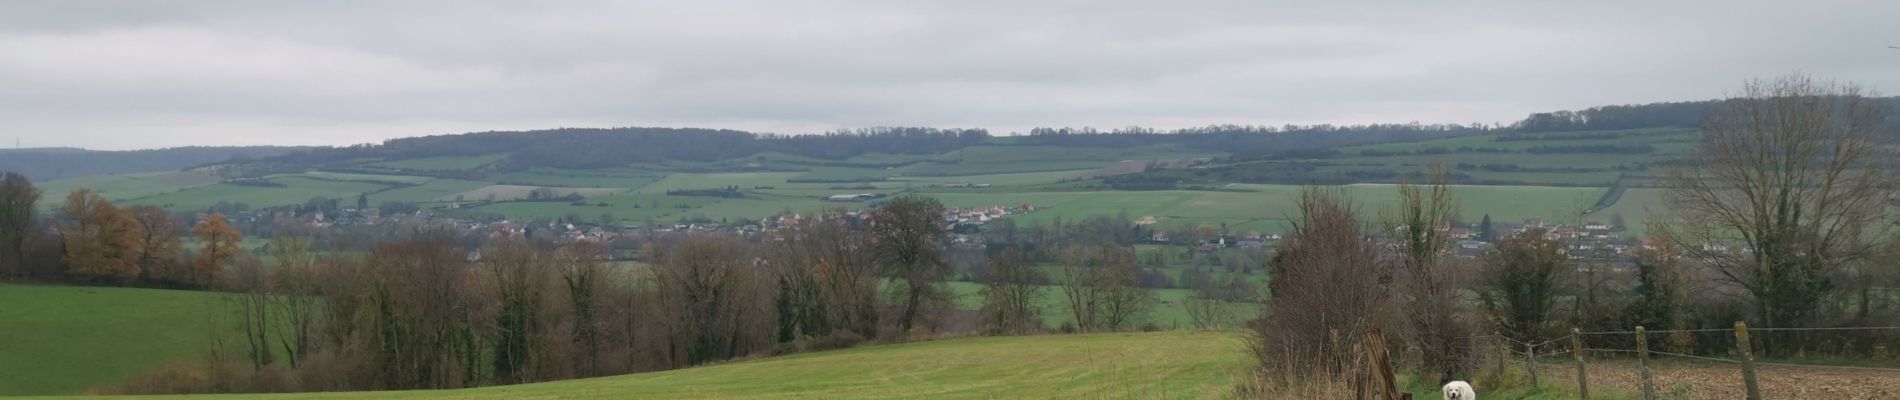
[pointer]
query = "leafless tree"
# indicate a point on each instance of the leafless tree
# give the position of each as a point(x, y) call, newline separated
point(1100, 284)
point(717, 301)
point(1429, 276)
point(1207, 313)
point(1784, 190)
point(252, 304)
point(158, 253)
point(1329, 287)
point(583, 275)
point(520, 275)
point(1012, 295)
point(296, 301)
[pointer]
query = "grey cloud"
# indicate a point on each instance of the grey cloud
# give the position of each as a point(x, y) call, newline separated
point(130, 74)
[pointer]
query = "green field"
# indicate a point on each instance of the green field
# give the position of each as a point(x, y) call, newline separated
point(124, 186)
point(1112, 365)
point(1168, 314)
point(297, 191)
point(441, 163)
point(744, 180)
point(1049, 177)
point(64, 339)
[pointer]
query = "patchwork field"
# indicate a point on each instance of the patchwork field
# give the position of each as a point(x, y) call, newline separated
point(124, 186)
point(519, 192)
point(1061, 181)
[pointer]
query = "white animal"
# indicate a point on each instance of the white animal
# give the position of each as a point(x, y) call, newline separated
point(1459, 390)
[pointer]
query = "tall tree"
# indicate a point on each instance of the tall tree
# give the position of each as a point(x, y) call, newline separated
point(220, 244)
point(1101, 284)
point(102, 240)
point(908, 242)
point(584, 277)
point(1329, 287)
point(296, 301)
point(517, 268)
point(1012, 294)
point(159, 246)
point(1785, 190)
point(18, 198)
point(717, 303)
point(1429, 298)
point(1484, 229)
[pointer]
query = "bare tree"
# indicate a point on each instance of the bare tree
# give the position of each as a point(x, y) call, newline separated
point(252, 304)
point(1329, 288)
point(1430, 277)
point(716, 301)
point(1783, 191)
point(159, 252)
point(1100, 284)
point(581, 272)
point(296, 303)
point(519, 271)
point(1206, 312)
point(1012, 294)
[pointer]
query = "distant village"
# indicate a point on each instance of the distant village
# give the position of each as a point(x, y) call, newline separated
point(1606, 244)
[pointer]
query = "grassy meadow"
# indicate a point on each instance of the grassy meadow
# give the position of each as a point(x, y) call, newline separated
point(1192, 365)
point(64, 339)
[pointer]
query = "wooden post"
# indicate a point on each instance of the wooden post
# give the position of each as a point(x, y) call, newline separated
point(1504, 352)
point(1748, 360)
point(1576, 351)
point(1530, 362)
point(1642, 359)
point(1380, 383)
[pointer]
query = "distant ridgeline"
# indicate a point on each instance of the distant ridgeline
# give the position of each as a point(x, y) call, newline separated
point(1687, 114)
point(50, 163)
point(605, 148)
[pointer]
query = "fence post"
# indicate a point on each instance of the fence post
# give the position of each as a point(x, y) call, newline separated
point(1504, 348)
point(1642, 359)
point(1576, 351)
point(1748, 360)
point(1530, 362)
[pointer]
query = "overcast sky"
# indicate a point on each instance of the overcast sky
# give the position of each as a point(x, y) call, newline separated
point(142, 74)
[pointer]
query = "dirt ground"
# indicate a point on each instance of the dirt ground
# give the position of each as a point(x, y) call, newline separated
point(1681, 380)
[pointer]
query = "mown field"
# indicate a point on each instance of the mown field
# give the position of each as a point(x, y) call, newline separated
point(64, 339)
point(1187, 365)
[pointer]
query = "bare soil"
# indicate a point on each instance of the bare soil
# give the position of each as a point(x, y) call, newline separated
point(1684, 380)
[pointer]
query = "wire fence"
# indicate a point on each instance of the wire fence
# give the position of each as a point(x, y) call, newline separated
point(1530, 352)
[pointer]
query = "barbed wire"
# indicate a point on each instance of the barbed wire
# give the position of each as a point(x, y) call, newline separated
point(1665, 353)
point(1844, 328)
point(1829, 366)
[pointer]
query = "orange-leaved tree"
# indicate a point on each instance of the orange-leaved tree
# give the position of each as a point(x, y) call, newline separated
point(102, 240)
point(220, 242)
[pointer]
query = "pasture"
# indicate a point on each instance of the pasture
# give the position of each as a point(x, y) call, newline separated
point(1194, 365)
point(1169, 313)
point(441, 163)
point(123, 186)
point(64, 339)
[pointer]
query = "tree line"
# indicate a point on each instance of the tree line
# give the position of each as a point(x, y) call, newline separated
point(93, 241)
point(1781, 223)
point(428, 309)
